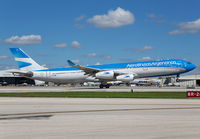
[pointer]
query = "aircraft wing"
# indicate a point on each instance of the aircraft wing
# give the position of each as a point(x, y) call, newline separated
point(90, 71)
point(87, 70)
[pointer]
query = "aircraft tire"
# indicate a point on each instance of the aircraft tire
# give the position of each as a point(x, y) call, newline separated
point(101, 86)
point(107, 86)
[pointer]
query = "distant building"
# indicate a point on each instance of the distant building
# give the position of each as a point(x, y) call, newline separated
point(184, 81)
point(7, 78)
point(190, 80)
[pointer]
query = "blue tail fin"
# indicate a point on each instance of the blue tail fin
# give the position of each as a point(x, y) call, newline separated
point(24, 61)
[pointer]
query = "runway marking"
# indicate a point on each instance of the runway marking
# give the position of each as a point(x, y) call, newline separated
point(68, 104)
point(35, 117)
point(2, 116)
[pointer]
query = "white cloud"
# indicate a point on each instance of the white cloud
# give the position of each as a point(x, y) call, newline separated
point(113, 19)
point(147, 58)
point(140, 50)
point(126, 59)
point(105, 56)
point(80, 18)
point(145, 48)
point(3, 57)
point(98, 56)
point(24, 40)
point(79, 26)
point(60, 45)
point(76, 61)
point(92, 55)
point(40, 54)
point(98, 63)
point(191, 27)
point(155, 18)
point(7, 66)
point(76, 45)
point(151, 15)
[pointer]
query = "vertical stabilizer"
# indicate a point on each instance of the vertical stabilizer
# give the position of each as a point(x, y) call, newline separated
point(24, 61)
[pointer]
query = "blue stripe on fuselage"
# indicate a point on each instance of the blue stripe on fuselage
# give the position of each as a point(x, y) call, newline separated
point(161, 63)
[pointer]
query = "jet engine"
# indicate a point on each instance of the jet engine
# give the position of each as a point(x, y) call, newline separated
point(105, 75)
point(125, 78)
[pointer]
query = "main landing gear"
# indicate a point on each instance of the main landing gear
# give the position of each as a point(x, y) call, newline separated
point(104, 85)
point(177, 78)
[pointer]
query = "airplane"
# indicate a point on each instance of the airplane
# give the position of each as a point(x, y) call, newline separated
point(138, 82)
point(125, 72)
point(146, 82)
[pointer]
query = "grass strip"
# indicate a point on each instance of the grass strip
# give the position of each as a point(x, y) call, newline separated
point(172, 95)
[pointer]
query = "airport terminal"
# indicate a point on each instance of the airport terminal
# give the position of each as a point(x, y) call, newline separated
point(7, 78)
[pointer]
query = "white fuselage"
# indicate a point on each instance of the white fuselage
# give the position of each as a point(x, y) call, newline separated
point(80, 76)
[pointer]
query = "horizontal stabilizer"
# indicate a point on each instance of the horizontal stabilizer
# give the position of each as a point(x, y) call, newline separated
point(71, 63)
point(21, 73)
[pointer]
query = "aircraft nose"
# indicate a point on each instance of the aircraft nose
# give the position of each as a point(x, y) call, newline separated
point(191, 67)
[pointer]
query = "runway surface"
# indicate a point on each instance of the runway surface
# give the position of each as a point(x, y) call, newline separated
point(10, 89)
point(47, 118)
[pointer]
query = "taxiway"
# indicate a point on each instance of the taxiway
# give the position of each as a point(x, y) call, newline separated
point(19, 89)
point(47, 118)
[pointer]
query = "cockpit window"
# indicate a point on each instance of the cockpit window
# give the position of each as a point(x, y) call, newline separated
point(189, 63)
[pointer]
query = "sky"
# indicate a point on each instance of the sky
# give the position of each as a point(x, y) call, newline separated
point(92, 32)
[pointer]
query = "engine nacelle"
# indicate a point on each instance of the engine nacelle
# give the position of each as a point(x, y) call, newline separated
point(125, 78)
point(105, 75)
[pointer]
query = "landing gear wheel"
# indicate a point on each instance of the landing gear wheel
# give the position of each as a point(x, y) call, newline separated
point(101, 86)
point(107, 86)
point(177, 80)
